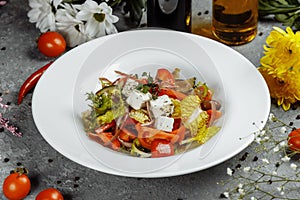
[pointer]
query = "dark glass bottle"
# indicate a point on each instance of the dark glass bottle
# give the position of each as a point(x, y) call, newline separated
point(171, 14)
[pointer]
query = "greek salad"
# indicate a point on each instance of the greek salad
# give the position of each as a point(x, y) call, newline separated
point(152, 116)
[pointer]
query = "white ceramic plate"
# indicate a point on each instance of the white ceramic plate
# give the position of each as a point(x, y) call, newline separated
point(247, 106)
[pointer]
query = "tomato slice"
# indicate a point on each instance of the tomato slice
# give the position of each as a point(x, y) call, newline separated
point(161, 148)
point(146, 135)
point(106, 139)
point(126, 135)
point(177, 123)
point(171, 93)
point(180, 132)
point(213, 115)
point(165, 75)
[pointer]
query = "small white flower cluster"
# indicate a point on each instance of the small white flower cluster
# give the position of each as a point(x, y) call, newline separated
point(272, 172)
point(78, 23)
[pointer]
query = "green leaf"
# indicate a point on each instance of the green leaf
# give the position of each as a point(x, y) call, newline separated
point(285, 11)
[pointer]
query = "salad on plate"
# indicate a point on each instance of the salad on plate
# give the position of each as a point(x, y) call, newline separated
point(152, 115)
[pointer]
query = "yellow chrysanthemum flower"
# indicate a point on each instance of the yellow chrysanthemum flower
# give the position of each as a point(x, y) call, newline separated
point(282, 50)
point(280, 66)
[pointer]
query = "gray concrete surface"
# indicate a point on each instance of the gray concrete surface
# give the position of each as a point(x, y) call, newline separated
point(19, 57)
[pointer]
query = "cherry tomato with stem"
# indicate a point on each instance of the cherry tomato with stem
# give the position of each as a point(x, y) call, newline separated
point(49, 194)
point(51, 44)
point(16, 186)
point(294, 140)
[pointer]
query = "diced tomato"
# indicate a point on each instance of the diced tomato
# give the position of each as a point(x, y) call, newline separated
point(129, 121)
point(171, 93)
point(161, 148)
point(214, 115)
point(180, 132)
point(126, 135)
point(165, 75)
point(106, 127)
point(146, 135)
point(177, 123)
point(106, 138)
point(208, 96)
point(113, 142)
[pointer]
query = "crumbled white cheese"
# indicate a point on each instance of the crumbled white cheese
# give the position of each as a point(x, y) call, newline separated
point(129, 86)
point(137, 99)
point(163, 148)
point(164, 123)
point(162, 106)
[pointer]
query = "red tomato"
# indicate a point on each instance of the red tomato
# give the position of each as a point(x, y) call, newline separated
point(51, 44)
point(180, 132)
point(16, 186)
point(126, 135)
point(49, 194)
point(214, 115)
point(171, 93)
point(146, 135)
point(165, 75)
point(161, 148)
point(294, 140)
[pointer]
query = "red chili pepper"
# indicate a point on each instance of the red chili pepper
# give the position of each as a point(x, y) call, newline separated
point(31, 82)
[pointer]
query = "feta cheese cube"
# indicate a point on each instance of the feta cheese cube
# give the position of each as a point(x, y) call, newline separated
point(137, 99)
point(129, 86)
point(164, 123)
point(162, 106)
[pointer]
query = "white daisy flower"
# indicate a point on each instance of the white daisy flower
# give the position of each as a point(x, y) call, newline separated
point(99, 18)
point(71, 28)
point(41, 13)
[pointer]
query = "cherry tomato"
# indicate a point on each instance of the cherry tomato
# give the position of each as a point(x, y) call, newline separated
point(51, 44)
point(165, 75)
point(16, 186)
point(294, 140)
point(49, 194)
point(161, 148)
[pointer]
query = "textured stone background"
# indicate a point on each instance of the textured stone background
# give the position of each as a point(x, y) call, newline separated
point(19, 58)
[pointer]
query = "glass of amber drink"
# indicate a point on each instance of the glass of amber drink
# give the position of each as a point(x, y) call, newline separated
point(234, 22)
